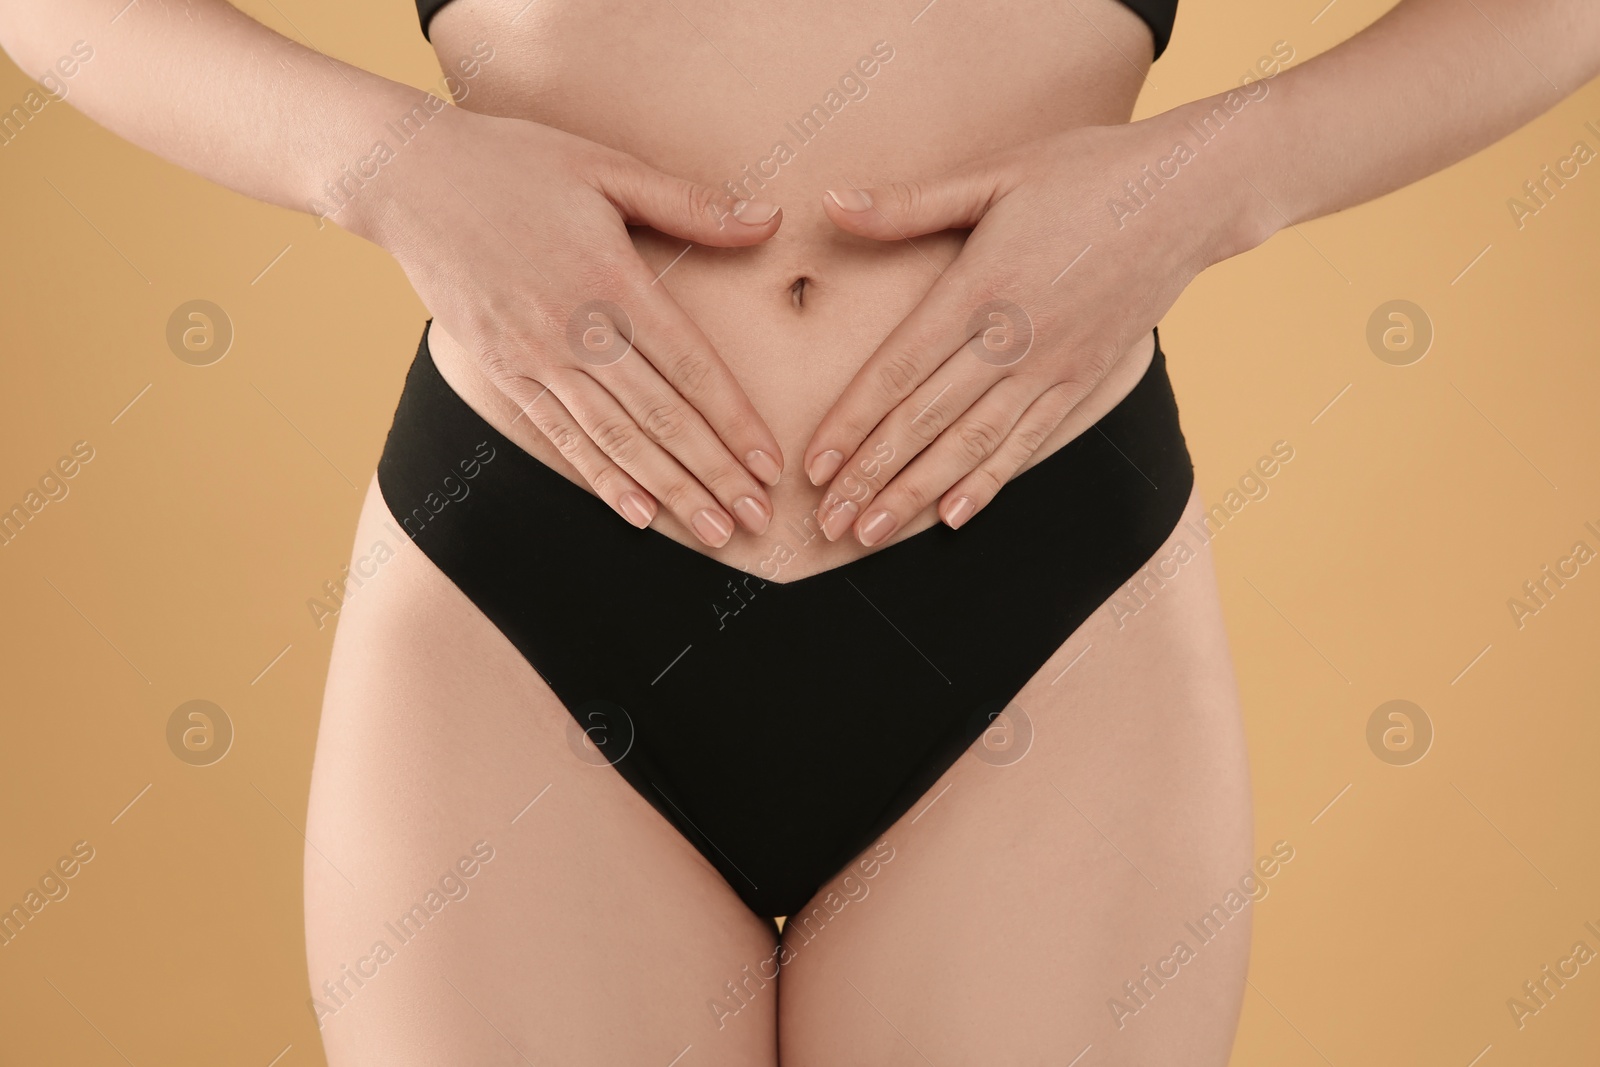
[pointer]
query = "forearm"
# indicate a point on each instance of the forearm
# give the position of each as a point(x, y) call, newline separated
point(206, 87)
point(1427, 85)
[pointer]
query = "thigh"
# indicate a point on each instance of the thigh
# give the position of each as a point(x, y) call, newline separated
point(479, 892)
point(1032, 902)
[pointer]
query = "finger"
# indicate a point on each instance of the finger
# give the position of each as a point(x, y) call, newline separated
point(685, 358)
point(617, 435)
point(610, 482)
point(685, 209)
point(898, 210)
point(892, 446)
point(939, 328)
point(674, 424)
point(971, 440)
point(974, 492)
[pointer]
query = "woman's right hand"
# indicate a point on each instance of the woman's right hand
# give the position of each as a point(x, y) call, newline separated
point(515, 237)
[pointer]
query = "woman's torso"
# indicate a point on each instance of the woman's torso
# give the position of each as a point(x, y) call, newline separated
point(707, 92)
point(435, 727)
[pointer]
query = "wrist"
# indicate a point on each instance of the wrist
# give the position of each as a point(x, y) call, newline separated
point(1212, 139)
point(362, 187)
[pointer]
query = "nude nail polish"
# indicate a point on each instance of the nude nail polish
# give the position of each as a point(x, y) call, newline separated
point(754, 212)
point(838, 517)
point(752, 513)
point(711, 527)
point(851, 199)
point(875, 527)
point(636, 509)
point(763, 466)
point(825, 466)
point(959, 512)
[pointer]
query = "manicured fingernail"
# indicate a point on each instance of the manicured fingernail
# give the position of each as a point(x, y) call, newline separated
point(825, 466)
point(754, 212)
point(751, 512)
point(636, 509)
point(959, 512)
point(837, 517)
point(876, 527)
point(851, 199)
point(763, 466)
point(711, 527)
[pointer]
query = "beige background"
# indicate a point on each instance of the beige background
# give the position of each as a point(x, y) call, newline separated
point(1378, 567)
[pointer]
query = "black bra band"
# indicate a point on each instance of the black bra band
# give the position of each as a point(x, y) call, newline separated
point(1159, 15)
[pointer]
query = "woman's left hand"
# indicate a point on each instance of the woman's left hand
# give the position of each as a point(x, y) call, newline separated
point(1055, 283)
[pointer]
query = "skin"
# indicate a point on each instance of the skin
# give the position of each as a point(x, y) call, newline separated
point(1011, 912)
point(1352, 124)
point(1021, 897)
point(673, 425)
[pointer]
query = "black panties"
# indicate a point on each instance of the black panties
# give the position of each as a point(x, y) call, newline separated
point(782, 727)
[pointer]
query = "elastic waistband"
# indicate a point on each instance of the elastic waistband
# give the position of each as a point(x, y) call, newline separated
point(1131, 469)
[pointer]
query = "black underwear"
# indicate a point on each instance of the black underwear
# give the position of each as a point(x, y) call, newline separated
point(782, 727)
point(1159, 15)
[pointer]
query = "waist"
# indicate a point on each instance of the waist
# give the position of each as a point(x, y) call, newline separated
point(1104, 489)
point(792, 373)
point(781, 106)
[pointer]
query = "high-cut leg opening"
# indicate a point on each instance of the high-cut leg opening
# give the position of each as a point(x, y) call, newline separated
point(780, 789)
